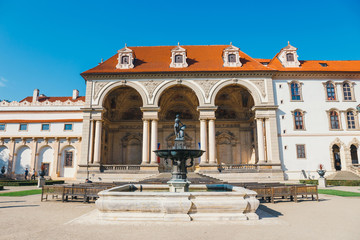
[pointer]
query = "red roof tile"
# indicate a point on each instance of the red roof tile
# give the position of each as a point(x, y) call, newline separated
point(158, 59)
point(209, 59)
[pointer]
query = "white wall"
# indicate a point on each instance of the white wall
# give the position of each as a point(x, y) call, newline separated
point(4, 157)
point(23, 160)
point(317, 135)
point(46, 155)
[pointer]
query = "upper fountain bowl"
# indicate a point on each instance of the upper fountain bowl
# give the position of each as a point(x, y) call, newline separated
point(179, 153)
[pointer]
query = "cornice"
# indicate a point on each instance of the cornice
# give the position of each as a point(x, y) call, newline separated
point(319, 75)
point(99, 76)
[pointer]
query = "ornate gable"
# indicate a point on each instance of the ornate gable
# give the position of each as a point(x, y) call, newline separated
point(288, 56)
point(125, 58)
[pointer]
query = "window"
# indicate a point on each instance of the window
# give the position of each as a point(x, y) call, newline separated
point(178, 58)
point(68, 158)
point(45, 127)
point(334, 120)
point(347, 92)
point(68, 127)
point(300, 151)
point(125, 60)
point(330, 90)
point(289, 57)
point(23, 127)
point(295, 91)
point(350, 120)
point(232, 58)
point(299, 120)
point(2, 126)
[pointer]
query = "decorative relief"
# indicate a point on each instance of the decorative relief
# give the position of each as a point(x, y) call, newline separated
point(98, 87)
point(206, 85)
point(151, 85)
point(260, 84)
point(44, 103)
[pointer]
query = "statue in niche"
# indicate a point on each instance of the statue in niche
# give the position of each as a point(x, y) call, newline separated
point(179, 128)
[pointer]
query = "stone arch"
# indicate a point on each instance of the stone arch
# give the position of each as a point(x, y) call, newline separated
point(173, 83)
point(4, 157)
point(252, 89)
point(46, 156)
point(108, 89)
point(68, 171)
point(23, 159)
point(338, 162)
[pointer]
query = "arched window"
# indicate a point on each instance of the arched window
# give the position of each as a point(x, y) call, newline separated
point(232, 58)
point(334, 120)
point(289, 57)
point(350, 117)
point(178, 58)
point(298, 120)
point(347, 91)
point(125, 60)
point(330, 91)
point(354, 155)
point(295, 91)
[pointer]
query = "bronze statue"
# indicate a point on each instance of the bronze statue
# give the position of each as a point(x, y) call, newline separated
point(179, 128)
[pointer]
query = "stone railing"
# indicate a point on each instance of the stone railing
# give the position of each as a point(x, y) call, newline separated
point(244, 167)
point(355, 168)
point(120, 167)
point(44, 103)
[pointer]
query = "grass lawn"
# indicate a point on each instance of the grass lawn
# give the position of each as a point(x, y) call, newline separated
point(338, 193)
point(21, 193)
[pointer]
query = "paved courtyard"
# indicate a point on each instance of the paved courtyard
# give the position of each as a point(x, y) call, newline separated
point(331, 218)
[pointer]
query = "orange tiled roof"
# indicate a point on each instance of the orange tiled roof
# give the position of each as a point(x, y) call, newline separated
point(53, 99)
point(158, 59)
point(209, 59)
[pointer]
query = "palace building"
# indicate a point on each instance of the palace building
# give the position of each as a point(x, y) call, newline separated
point(259, 119)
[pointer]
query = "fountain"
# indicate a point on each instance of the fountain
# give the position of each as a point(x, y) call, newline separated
point(179, 201)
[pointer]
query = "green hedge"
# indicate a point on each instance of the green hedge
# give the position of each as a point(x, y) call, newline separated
point(28, 183)
point(334, 182)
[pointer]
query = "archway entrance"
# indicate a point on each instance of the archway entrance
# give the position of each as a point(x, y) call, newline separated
point(235, 126)
point(122, 128)
point(354, 154)
point(178, 100)
point(337, 160)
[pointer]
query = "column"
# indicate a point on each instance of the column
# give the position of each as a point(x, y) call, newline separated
point(12, 157)
point(154, 140)
point(268, 140)
point(97, 145)
point(145, 149)
point(260, 138)
point(91, 143)
point(203, 141)
point(212, 142)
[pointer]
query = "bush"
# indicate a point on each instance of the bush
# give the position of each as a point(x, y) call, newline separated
point(28, 183)
point(334, 182)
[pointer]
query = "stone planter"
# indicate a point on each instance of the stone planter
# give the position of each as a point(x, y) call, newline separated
point(321, 173)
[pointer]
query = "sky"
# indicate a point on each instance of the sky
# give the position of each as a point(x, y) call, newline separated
point(47, 44)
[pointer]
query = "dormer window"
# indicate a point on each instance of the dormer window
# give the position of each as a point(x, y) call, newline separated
point(178, 57)
point(288, 56)
point(231, 56)
point(125, 58)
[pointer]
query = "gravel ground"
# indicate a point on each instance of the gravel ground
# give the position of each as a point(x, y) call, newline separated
point(331, 218)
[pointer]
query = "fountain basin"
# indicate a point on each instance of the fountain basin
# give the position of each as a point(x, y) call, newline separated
point(199, 204)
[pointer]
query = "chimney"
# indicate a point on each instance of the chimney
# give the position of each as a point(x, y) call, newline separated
point(35, 96)
point(75, 94)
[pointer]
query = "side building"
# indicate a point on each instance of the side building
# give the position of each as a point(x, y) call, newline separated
point(41, 130)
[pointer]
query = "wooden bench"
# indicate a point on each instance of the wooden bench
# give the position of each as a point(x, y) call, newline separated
point(54, 190)
point(304, 190)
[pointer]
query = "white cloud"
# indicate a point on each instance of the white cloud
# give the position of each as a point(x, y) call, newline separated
point(3, 81)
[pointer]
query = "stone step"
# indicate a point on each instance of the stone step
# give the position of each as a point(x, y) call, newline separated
point(247, 177)
point(343, 175)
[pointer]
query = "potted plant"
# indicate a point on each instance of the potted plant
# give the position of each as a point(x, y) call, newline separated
point(321, 171)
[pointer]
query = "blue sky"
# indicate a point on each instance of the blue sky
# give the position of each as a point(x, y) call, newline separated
point(47, 44)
